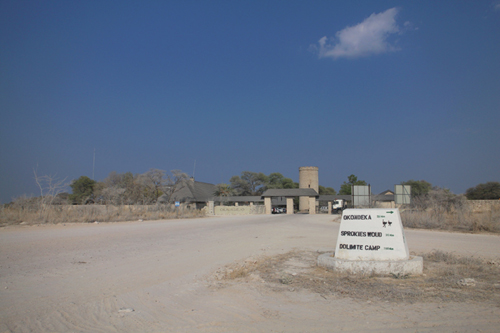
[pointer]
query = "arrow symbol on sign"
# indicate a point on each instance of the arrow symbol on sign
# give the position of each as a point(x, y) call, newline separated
point(391, 212)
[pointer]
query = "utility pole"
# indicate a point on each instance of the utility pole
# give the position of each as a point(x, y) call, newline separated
point(194, 168)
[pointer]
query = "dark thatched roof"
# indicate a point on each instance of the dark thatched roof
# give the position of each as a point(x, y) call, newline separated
point(193, 191)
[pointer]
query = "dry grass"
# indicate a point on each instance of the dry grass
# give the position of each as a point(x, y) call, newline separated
point(461, 220)
point(31, 214)
point(441, 209)
point(447, 278)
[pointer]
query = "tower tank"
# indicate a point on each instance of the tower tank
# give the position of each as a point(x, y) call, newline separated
point(308, 178)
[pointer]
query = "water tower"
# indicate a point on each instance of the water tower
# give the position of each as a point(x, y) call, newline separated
point(308, 178)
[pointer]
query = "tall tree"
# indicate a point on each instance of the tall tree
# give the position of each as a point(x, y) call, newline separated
point(174, 182)
point(418, 187)
point(253, 183)
point(277, 180)
point(154, 181)
point(122, 188)
point(326, 190)
point(50, 187)
point(486, 191)
point(157, 184)
point(250, 183)
point(133, 189)
point(83, 190)
point(345, 188)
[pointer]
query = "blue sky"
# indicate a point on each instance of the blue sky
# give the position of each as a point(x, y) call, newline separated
point(386, 90)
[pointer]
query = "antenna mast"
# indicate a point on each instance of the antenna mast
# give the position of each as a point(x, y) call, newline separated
point(194, 168)
point(93, 166)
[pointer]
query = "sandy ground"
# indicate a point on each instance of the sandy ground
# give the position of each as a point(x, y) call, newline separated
point(157, 276)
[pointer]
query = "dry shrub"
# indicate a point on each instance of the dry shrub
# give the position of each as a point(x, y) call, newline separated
point(237, 271)
point(27, 211)
point(486, 221)
point(451, 259)
point(441, 282)
point(441, 209)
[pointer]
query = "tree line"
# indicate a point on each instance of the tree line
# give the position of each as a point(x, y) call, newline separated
point(485, 191)
point(126, 188)
point(255, 183)
point(156, 186)
point(149, 187)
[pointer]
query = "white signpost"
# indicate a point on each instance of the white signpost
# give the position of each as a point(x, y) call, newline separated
point(371, 234)
point(372, 241)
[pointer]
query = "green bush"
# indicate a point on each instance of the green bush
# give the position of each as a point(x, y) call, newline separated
point(487, 191)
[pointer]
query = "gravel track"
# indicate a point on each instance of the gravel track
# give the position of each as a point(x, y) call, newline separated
point(154, 276)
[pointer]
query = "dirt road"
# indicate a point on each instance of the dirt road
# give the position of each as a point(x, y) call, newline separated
point(156, 277)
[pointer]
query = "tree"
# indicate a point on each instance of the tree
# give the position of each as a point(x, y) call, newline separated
point(250, 183)
point(112, 194)
point(256, 183)
point(147, 188)
point(154, 181)
point(50, 187)
point(486, 191)
point(133, 190)
point(223, 190)
point(173, 183)
point(418, 187)
point(61, 199)
point(83, 190)
point(120, 189)
point(277, 180)
point(112, 189)
point(326, 190)
point(438, 201)
point(156, 184)
point(345, 188)
point(177, 178)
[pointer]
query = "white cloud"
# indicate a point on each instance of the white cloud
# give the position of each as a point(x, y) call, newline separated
point(364, 39)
